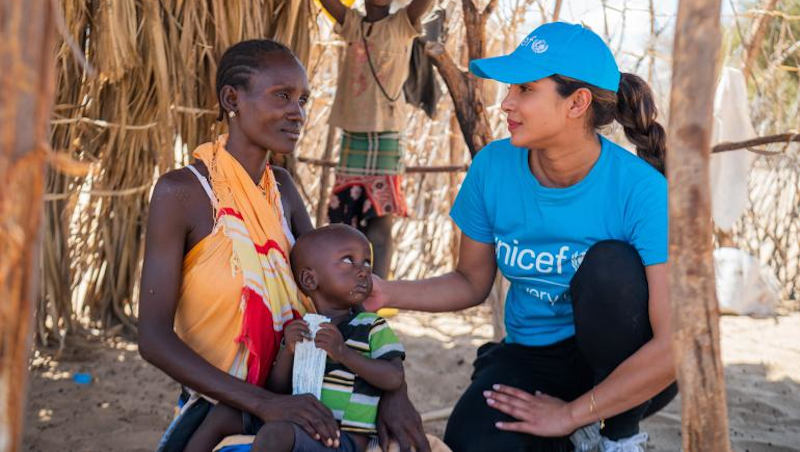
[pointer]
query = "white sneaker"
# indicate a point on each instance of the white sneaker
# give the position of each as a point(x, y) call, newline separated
point(587, 438)
point(635, 443)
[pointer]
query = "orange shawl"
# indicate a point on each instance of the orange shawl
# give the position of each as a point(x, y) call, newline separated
point(246, 257)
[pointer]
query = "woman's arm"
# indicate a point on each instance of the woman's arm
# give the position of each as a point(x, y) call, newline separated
point(383, 374)
point(398, 420)
point(417, 8)
point(335, 8)
point(386, 375)
point(467, 286)
point(158, 343)
point(645, 373)
point(293, 204)
point(280, 377)
point(637, 379)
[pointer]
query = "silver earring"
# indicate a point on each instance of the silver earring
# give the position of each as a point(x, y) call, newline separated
point(232, 114)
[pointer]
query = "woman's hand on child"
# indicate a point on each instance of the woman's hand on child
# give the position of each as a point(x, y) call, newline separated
point(539, 414)
point(307, 412)
point(398, 420)
point(330, 339)
point(294, 332)
point(377, 298)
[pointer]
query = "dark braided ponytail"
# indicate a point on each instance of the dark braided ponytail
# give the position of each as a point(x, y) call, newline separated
point(240, 61)
point(636, 111)
point(633, 107)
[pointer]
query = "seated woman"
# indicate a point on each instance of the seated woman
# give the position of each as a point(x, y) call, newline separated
point(578, 225)
point(217, 287)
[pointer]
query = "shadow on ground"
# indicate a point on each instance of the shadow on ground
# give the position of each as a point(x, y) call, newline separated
point(129, 403)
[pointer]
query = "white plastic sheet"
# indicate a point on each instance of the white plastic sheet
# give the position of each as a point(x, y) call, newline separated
point(309, 361)
point(744, 285)
point(729, 169)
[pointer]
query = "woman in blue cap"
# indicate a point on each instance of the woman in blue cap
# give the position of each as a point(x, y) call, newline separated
point(578, 225)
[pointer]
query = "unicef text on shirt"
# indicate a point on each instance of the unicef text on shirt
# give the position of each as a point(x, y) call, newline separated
point(545, 262)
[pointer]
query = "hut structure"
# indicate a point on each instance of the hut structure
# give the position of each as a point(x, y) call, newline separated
point(114, 93)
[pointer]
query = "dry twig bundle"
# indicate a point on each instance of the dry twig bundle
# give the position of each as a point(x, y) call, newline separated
point(150, 99)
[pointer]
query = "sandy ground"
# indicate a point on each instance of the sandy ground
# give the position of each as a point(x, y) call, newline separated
point(129, 403)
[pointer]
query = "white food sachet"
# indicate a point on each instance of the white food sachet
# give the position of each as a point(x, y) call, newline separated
point(309, 361)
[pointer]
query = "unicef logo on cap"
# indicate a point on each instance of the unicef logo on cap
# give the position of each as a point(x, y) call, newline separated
point(537, 45)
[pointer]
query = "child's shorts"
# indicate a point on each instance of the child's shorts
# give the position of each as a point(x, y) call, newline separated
point(305, 443)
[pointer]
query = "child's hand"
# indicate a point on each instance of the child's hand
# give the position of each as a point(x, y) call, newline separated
point(295, 332)
point(330, 339)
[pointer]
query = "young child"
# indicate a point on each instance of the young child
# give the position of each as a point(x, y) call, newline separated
point(369, 108)
point(332, 265)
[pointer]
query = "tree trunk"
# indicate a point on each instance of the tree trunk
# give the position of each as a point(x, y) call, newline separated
point(26, 87)
point(692, 292)
point(466, 89)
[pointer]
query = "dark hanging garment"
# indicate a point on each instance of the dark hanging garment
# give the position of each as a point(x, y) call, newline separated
point(422, 88)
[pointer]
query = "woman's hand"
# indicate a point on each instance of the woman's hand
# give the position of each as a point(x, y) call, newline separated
point(304, 410)
point(377, 298)
point(295, 332)
point(399, 421)
point(538, 414)
point(330, 339)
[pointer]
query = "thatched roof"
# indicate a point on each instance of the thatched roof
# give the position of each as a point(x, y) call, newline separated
point(151, 89)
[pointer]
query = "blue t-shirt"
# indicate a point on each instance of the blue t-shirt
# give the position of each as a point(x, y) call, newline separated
point(541, 234)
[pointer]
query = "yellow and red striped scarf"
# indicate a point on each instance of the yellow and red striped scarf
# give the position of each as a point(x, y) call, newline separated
point(252, 217)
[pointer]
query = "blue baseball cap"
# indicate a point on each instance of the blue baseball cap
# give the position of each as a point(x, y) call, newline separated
point(561, 48)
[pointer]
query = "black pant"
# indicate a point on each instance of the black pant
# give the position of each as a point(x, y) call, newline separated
point(609, 300)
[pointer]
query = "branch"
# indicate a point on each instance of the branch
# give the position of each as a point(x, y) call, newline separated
point(557, 10)
point(409, 169)
point(756, 37)
point(76, 50)
point(465, 91)
point(448, 69)
point(732, 146)
point(490, 8)
point(468, 6)
point(773, 13)
point(473, 29)
point(103, 124)
point(542, 11)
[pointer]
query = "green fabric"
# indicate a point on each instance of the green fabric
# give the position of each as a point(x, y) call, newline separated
point(353, 401)
point(370, 153)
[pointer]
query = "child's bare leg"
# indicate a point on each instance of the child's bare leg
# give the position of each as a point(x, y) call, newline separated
point(274, 437)
point(379, 233)
point(359, 441)
point(220, 422)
